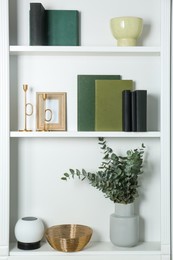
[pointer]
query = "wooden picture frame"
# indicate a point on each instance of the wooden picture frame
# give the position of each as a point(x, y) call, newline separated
point(51, 111)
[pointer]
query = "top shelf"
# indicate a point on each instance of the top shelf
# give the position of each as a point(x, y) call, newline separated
point(80, 50)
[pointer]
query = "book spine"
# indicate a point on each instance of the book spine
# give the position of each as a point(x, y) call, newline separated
point(126, 111)
point(38, 35)
point(133, 111)
point(78, 40)
point(141, 110)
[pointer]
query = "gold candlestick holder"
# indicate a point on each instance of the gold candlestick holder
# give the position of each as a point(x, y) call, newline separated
point(26, 106)
point(44, 96)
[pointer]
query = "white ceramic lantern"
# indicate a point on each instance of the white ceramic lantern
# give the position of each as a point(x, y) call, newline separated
point(29, 231)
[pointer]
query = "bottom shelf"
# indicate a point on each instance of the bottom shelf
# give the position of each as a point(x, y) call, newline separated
point(94, 250)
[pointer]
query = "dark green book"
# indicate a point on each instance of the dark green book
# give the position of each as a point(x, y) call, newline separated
point(86, 100)
point(108, 104)
point(141, 110)
point(63, 27)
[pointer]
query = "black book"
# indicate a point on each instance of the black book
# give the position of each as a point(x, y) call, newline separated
point(126, 111)
point(139, 111)
point(133, 109)
point(38, 27)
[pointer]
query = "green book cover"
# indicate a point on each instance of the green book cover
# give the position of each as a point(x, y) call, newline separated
point(62, 27)
point(86, 100)
point(108, 104)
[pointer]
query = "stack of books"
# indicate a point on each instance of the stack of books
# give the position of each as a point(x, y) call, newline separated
point(108, 103)
point(53, 27)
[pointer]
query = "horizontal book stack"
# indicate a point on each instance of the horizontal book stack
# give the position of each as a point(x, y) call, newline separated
point(53, 27)
point(107, 103)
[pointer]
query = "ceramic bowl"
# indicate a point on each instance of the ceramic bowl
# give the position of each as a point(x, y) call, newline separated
point(68, 237)
point(126, 30)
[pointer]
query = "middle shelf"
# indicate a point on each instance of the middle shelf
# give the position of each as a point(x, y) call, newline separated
point(150, 134)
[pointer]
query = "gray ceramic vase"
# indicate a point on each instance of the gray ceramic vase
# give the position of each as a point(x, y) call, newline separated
point(124, 226)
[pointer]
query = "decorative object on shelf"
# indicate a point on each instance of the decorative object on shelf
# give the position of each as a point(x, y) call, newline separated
point(53, 27)
point(68, 237)
point(45, 112)
point(86, 99)
point(134, 106)
point(126, 30)
point(124, 225)
point(29, 231)
point(118, 179)
point(26, 113)
point(56, 103)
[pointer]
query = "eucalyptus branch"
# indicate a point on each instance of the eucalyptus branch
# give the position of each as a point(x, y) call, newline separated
point(117, 176)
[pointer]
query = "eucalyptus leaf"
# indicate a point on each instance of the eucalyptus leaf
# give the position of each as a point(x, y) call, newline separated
point(64, 178)
point(66, 175)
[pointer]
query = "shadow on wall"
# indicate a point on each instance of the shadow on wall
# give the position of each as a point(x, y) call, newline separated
point(145, 32)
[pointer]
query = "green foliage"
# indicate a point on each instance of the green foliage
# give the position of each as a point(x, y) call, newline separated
point(117, 176)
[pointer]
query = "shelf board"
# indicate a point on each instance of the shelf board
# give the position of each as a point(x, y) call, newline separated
point(35, 134)
point(83, 50)
point(93, 248)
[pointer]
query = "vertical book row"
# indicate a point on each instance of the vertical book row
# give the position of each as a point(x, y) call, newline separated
point(108, 103)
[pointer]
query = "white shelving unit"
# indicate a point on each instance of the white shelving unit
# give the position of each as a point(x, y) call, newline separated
point(31, 163)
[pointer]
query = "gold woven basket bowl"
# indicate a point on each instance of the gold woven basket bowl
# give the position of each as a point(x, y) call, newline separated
point(68, 237)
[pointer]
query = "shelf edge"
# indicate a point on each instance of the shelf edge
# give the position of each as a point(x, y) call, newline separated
point(75, 134)
point(94, 248)
point(33, 50)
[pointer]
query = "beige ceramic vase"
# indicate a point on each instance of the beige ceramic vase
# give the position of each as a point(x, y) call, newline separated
point(126, 30)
